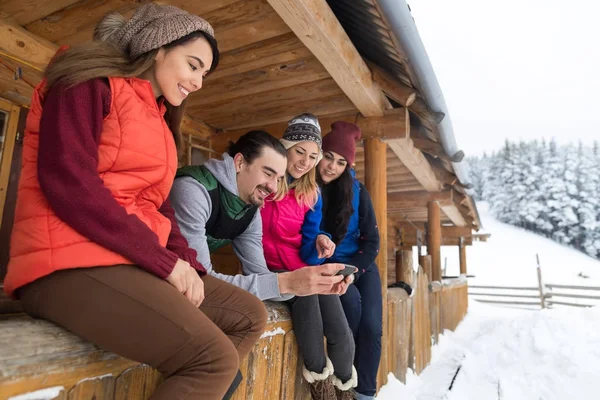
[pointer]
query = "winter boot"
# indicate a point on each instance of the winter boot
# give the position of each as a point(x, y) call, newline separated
point(321, 384)
point(345, 390)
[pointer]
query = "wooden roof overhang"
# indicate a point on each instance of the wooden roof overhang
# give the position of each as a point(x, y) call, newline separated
point(337, 59)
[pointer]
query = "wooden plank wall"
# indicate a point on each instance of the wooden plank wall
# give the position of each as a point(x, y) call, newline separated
point(46, 356)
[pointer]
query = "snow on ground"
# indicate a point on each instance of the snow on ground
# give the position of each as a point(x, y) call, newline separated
point(511, 354)
point(508, 258)
point(507, 353)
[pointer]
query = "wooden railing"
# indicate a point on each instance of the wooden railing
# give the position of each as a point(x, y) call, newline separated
point(37, 355)
point(416, 322)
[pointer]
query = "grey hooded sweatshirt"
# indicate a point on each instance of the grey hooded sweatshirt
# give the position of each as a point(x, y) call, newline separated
point(193, 207)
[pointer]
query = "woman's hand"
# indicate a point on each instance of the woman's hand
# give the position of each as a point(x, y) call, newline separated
point(325, 247)
point(187, 281)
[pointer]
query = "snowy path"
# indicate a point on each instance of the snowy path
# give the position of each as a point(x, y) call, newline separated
point(512, 355)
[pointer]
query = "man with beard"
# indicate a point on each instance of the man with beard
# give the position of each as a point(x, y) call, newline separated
point(218, 203)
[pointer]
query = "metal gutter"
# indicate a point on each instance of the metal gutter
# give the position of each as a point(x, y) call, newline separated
point(403, 27)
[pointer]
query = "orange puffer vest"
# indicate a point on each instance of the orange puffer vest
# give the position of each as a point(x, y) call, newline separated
point(137, 162)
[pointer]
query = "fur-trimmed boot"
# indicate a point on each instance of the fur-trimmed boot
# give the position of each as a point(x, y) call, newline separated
point(345, 390)
point(321, 384)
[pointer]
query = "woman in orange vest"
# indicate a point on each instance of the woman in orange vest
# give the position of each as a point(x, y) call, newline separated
point(95, 247)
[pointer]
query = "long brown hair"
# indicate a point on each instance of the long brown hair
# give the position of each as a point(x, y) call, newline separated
point(100, 59)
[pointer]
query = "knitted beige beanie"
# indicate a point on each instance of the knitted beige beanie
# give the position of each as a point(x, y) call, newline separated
point(152, 26)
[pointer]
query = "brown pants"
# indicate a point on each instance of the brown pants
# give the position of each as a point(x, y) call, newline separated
point(132, 313)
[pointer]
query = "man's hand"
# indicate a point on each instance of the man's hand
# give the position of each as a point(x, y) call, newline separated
point(187, 281)
point(341, 287)
point(325, 247)
point(305, 281)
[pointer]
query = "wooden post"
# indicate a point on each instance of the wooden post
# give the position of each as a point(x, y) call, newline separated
point(434, 239)
point(404, 266)
point(425, 262)
point(462, 256)
point(376, 184)
point(540, 282)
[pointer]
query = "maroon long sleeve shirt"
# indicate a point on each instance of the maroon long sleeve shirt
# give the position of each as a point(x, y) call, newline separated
point(70, 130)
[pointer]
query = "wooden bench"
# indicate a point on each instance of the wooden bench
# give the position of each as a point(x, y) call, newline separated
point(39, 360)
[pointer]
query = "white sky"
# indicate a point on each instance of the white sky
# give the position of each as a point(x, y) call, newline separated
point(517, 69)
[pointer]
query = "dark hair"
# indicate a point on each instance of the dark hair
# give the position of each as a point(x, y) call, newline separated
point(195, 35)
point(251, 145)
point(339, 199)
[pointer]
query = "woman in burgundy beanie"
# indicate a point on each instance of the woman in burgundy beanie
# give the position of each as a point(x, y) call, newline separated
point(349, 217)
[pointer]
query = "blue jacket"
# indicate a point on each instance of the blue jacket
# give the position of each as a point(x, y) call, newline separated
point(360, 245)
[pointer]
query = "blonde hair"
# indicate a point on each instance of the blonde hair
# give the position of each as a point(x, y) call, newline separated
point(306, 189)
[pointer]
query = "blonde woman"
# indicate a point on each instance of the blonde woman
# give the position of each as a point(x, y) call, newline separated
point(292, 240)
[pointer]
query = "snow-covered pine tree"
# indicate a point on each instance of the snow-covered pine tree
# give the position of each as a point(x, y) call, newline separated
point(549, 189)
point(589, 197)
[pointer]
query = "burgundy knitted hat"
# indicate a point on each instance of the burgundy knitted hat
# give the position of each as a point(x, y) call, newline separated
point(342, 140)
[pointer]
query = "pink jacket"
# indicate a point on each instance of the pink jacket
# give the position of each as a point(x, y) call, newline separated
point(282, 232)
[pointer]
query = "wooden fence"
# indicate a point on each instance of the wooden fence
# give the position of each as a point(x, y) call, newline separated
point(545, 296)
point(542, 296)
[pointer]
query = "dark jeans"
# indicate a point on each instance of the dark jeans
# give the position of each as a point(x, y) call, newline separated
point(318, 315)
point(362, 305)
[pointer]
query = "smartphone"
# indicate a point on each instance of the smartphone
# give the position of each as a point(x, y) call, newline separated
point(348, 270)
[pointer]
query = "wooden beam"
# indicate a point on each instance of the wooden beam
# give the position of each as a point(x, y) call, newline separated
point(453, 214)
point(418, 199)
point(428, 117)
point(278, 50)
point(75, 24)
point(442, 175)
point(25, 11)
point(243, 23)
point(416, 162)
point(22, 46)
point(319, 29)
point(376, 184)
point(16, 91)
point(322, 97)
point(456, 231)
point(394, 89)
point(395, 124)
point(434, 240)
point(272, 77)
